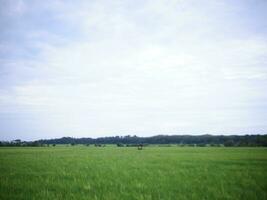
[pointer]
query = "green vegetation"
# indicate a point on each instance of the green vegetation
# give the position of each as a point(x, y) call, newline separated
point(129, 141)
point(82, 172)
point(199, 140)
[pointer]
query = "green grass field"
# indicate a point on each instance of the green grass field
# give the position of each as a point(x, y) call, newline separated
point(125, 173)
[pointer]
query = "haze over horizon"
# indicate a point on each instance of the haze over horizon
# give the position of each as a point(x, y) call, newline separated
point(106, 68)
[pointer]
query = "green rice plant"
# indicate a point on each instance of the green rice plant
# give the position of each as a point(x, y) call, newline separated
point(82, 172)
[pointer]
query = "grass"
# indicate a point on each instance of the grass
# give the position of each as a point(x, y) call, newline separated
point(126, 173)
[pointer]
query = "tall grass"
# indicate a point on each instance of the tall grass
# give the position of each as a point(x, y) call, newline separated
point(126, 173)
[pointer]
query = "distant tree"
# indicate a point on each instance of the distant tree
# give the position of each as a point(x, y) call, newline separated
point(191, 145)
point(36, 144)
point(187, 140)
point(53, 145)
point(229, 143)
point(201, 145)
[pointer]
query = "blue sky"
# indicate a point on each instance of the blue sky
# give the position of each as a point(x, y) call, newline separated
point(101, 68)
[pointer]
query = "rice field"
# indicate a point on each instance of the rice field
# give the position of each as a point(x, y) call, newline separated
point(110, 172)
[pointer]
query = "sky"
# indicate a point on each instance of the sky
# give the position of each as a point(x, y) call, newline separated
point(93, 68)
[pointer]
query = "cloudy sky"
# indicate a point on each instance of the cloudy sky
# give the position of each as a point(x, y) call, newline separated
point(101, 68)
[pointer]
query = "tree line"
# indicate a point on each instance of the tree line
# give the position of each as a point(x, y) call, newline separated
point(182, 140)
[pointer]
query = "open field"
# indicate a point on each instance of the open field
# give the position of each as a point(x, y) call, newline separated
point(125, 173)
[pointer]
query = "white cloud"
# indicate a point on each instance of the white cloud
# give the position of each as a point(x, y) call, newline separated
point(156, 67)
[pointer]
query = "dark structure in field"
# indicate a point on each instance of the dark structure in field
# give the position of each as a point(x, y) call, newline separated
point(140, 147)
